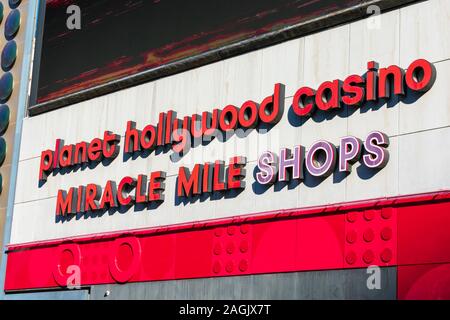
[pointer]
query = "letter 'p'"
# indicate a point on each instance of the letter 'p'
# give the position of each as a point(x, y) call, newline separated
point(46, 164)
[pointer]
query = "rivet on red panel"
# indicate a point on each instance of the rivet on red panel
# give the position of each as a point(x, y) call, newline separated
point(351, 257)
point(243, 265)
point(244, 246)
point(352, 216)
point(386, 233)
point(230, 247)
point(368, 256)
point(369, 215)
point(245, 228)
point(218, 232)
point(386, 255)
point(216, 267)
point(231, 230)
point(368, 235)
point(229, 267)
point(351, 236)
point(386, 213)
point(217, 249)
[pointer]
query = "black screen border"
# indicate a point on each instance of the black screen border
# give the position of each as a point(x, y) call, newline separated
point(295, 31)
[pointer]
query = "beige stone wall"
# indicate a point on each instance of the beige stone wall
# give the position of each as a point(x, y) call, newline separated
point(11, 103)
point(419, 132)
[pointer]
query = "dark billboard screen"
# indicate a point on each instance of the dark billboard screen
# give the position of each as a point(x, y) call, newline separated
point(123, 38)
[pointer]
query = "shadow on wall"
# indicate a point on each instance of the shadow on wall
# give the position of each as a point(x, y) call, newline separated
point(346, 111)
point(320, 116)
point(213, 196)
point(77, 167)
point(148, 206)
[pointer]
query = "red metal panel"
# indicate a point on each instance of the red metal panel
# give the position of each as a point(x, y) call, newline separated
point(424, 233)
point(311, 239)
point(424, 282)
point(31, 268)
point(274, 246)
point(193, 254)
point(158, 258)
point(320, 242)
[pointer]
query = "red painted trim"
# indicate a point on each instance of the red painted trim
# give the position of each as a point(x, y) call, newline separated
point(396, 231)
point(253, 217)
